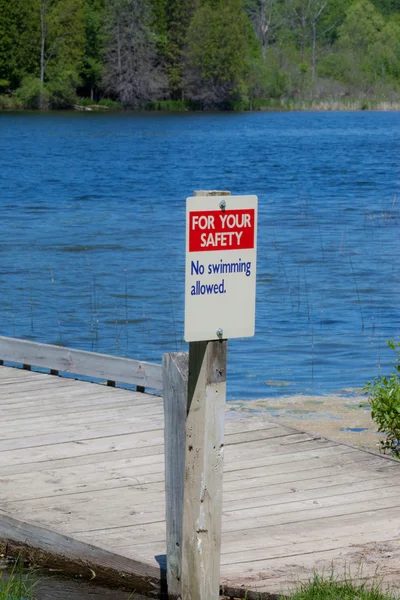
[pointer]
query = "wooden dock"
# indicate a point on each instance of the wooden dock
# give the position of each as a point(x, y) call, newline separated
point(82, 485)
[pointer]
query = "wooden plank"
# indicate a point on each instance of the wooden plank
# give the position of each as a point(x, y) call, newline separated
point(377, 529)
point(296, 505)
point(62, 549)
point(293, 541)
point(85, 432)
point(276, 517)
point(303, 519)
point(175, 384)
point(44, 424)
point(74, 406)
point(77, 394)
point(311, 559)
point(79, 449)
point(90, 364)
point(88, 459)
point(332, 528)
point(76, 515)
point(135, 535)
point(262, 496)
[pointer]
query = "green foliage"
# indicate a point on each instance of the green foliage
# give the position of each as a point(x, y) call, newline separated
point(169, 105)
point(32, 94)
point(92, 64)
point(18, 36)
point(384, 393)
point(218, 54)
point(179, 15)
point(8, 102)
point(333, 588)
point(61, 92)
point(386, 52)
point(361, 26)
point(111, 104)
point(336, 66)
point(225, 54)
point(65, 39)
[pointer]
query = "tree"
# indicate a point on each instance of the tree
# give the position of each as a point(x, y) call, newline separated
point(218, 53)
point(386, 52)
point(262, 13)
point(361, 26)
point(92, 68)
point(18, 38)
point(357, 35)
point(132, 72)
point(317, 8)
point(61, 45)
point(179, 16)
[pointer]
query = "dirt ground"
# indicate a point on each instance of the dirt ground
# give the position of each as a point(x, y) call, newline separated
point(346, 418)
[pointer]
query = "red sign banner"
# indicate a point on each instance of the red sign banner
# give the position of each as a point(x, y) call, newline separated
point(221, 230)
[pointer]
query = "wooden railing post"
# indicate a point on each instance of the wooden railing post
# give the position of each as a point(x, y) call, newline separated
point(175, 377)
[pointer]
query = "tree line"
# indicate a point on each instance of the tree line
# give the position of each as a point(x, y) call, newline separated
point(208, 54)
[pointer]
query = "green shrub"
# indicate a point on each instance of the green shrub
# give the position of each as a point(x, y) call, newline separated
point(85, 101)
point(6, 102)
point(32, 94)
point(384, 393)
point(4, 86)
point(168, 105)
point(112, 104)
point(61, 94)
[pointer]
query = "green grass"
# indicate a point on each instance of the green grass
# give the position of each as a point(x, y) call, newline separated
point(331, 588)
point(16, 585)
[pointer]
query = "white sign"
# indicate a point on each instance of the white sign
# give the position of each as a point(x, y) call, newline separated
point(221, 251)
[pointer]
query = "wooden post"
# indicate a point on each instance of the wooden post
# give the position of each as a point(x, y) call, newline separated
point(204, 463)
point(175, 377)
point(194, 405)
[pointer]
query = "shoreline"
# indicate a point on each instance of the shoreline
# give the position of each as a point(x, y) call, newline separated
point(344, 418)
point(291, 106)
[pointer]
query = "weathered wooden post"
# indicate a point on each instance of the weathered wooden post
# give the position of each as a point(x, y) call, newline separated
point(194, 393)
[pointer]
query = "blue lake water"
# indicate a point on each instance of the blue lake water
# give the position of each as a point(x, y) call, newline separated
point(92, 234)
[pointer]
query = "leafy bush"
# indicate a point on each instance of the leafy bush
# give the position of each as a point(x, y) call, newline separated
point(8, 102)
point(169, 105)
point(384, 395)
point(61, 94)
point(32, 94)
point(85, 101)
point(4, 85)
point(112, 104)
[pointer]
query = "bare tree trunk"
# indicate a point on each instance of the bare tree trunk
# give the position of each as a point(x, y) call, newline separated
point(313, 50)
point(318, 7)
point(262, 17)
point(43, 26)
point(119, 58)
